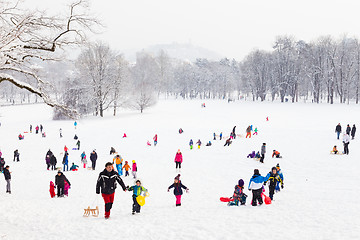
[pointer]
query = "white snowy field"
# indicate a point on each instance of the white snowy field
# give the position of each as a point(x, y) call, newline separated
point(320, 199)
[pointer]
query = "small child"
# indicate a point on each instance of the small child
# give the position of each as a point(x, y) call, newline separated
point(255, 131)
point(239, 195)
point(220, 135)
point(148, 143)
point(276, 154)
point(257, 155)
point(198, 143)
point(335, 151)
point(7, 175)
point(74, 167)
point(127, 167)
point(274, 178)
point(83, 159)
point(177, 185)
point(137, 190)
point(66, 189)
point(134, 168)
point(251, 155)
point(191, 144)
point(52, 189)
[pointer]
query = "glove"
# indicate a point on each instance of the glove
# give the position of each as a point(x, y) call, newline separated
point(168, 190)
point(264, 184)
point(187, 190)
point(282, 185)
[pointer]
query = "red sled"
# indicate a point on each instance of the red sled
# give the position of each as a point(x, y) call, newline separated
point(226, 199)
point(267, 199)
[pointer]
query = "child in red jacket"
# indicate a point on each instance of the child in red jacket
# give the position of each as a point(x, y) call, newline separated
point(52, 189)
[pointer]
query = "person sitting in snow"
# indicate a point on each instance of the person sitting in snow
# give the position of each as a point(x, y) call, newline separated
point(124, 136)
point(276, 154)
point(21, 137)
point(181, 131)
point(209, 144)
point(239, 196)
point(274, 178)
point(112, 150)
point(257, 155)
point(251, 155)
point(228, 142)
point(43, 134)
point(74, 167)
point(335, 151)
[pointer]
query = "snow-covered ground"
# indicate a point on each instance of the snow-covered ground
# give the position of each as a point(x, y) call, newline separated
point(319, 201)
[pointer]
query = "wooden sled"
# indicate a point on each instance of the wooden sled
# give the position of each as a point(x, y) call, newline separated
point(94, 212)
point(339, 153)
point(257, 159)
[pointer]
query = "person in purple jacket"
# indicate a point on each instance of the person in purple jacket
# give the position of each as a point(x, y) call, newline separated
point(177, 185)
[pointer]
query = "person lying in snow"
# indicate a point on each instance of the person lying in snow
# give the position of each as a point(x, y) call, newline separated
point(276, 154)
point(251, 155)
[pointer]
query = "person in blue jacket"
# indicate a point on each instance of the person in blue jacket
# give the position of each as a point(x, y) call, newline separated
point(191, 143)
point(277, 188)
point(220, 135)
point(256, 186)
point(137, 190)
point(66, 161)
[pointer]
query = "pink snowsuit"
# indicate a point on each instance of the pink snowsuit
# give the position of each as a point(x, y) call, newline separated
point(66, 189)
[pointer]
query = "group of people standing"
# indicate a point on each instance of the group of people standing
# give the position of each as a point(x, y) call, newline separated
point(346, 136)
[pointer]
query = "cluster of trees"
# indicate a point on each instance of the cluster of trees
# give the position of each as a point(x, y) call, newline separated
point(100, 78)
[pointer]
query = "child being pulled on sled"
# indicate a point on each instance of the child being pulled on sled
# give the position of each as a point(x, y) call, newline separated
point(239, 196)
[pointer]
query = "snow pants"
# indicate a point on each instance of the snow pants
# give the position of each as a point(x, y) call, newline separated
point(178, 165)
point(136, 207)
point(248, 135)
point(178, 200)
point(262, 158)
point(53, 167)
point(8, 185)
point(346, 148)
point(338, 135)
point(271, 191)
point(134, 174)
point(108, 199)
point(126, 173)
point(93, 164)
point(60, 191)
point(119, 169)
point(256, 197)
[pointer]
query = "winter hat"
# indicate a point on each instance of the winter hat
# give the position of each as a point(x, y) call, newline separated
point(126, 162)
point(256, 172)
point(177, 177)
point(133, 161)
point(278, 165)
point(241, 183)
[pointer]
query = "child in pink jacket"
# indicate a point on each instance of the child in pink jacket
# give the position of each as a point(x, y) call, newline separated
point(178, 159)
point(134, 168)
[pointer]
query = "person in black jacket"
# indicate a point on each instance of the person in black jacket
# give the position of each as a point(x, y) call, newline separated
point(348, 130)
point(60, 183)
point(53, 162)
point(353, 131)
point(107, 183)
point(177, 185)
point(338, 130)
point(93, 158)
point(7, 176)
point(273, 179)
point(16, 155)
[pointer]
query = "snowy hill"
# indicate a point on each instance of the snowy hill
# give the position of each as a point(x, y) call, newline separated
point(319, 201)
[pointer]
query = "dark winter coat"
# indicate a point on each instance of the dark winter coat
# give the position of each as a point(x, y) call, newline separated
point(353, 131)
point(53, 160)
point(7, 174)
point(107, 182)
point(93, 156)
point(178, 188)
point(338, 128)
point(274, 178)
point(49, 153)
point(60, 180)
point(348, 130)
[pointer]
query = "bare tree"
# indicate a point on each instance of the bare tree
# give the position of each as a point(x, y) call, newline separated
point(27, 35)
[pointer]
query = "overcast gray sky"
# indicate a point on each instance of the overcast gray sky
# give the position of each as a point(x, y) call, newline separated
point(230, 27)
